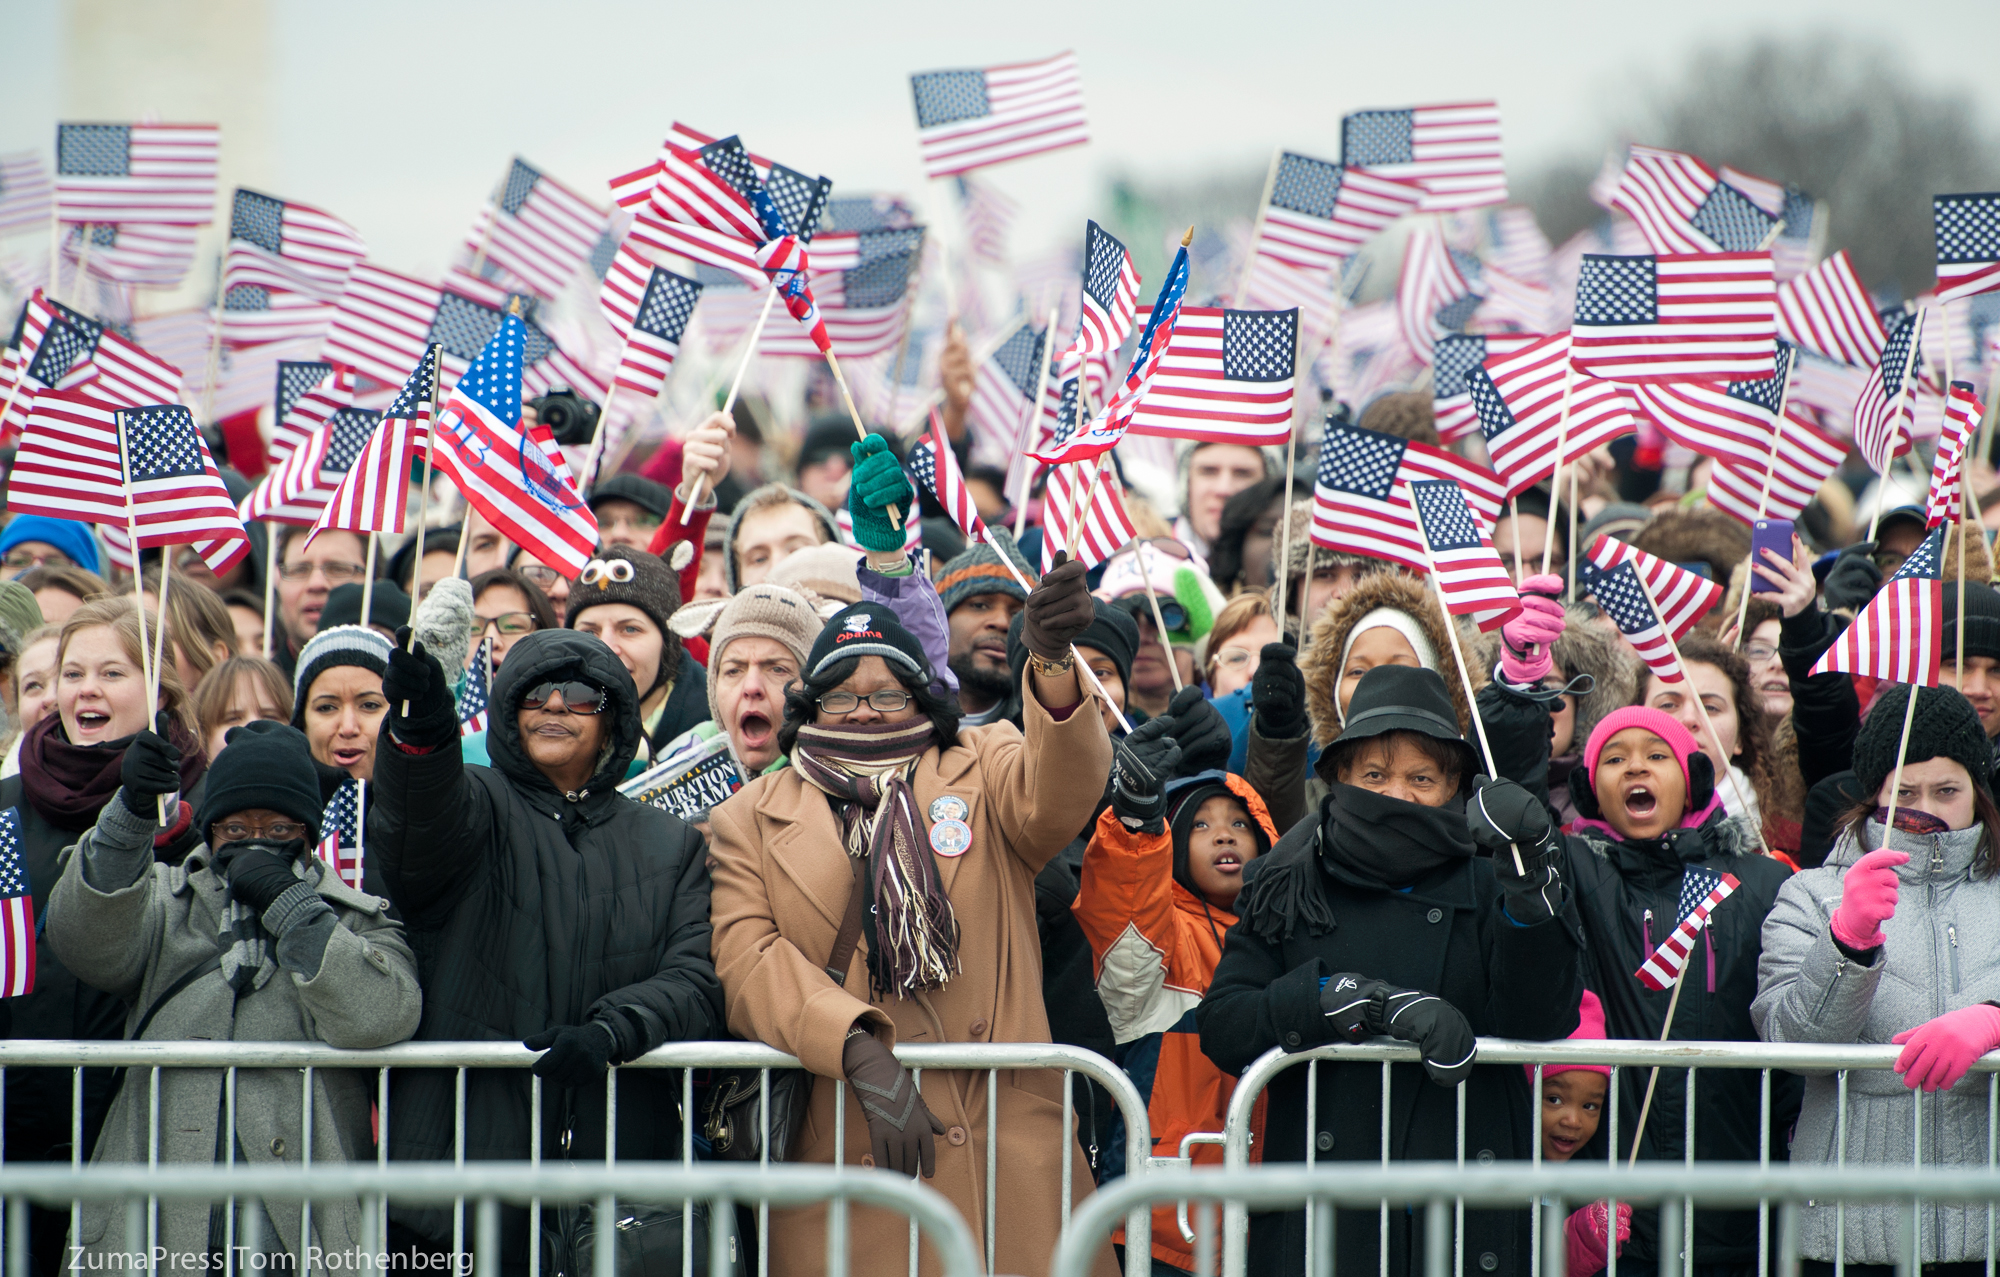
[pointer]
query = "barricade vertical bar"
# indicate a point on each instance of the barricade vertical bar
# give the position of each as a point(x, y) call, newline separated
point(1840, 1160)
point(1553, 1218)
point(1458, 1207)
point(1917, 1160)
point(1906, 1239)
point(1436, 1242)
point(486, 1240)
point(1204, 1239)
point(76, 1140)
point(1383, 1235)
point(1555, 1255)
point(1069, 1143)
point(604, 1251)
point(253, 1228)
point(687, 1159)
point(1992, 1148)
point(381, 1234)
point(306, 1160)
point(458, 1163)
point(1687, 1158)
point(8, 1233)
point(1764, 1163)
point(839, 1207)
point(534, 1159)
point(1670, 1226)
point(611, 1116)
point(1788, 1239)
point(152, 1162)
point(1535, 1157)
point(721, 1209)
point(229, 1159)
point(917, 1081)
point(1321, 1254)
point(17, 1237)
point(764, 1163)
point(135, 1229)
point(1312, 1134)
point(992, 1160)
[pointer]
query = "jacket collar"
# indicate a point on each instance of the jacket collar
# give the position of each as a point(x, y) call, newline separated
point(1934, 858)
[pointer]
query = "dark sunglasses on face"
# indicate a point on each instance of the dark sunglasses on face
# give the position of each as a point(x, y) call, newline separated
point(577, 698)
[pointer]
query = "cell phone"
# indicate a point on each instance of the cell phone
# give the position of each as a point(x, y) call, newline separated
point(1768, 534)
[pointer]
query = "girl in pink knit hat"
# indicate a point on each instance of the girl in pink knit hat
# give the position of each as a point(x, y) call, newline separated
point(1573, 1098)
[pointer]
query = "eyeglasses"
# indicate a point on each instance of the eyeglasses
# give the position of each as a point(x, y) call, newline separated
point(617, 571)
point(1233, 658)
point(338, 573)
point(578, 698)
point(509, 624)
point(888, 700)
point(540, 573)
point(24, 559)
point(1760, 652)
point(277, 830)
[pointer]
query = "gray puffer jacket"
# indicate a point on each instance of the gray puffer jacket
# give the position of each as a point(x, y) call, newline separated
point(1941, 953)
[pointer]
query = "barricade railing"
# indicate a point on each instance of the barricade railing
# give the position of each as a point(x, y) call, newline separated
point(1685, 1057)
point(1443, 1189)
point(487, 1184)
point(992, 1057)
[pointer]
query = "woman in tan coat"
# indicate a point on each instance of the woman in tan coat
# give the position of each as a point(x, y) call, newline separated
point(943, 831)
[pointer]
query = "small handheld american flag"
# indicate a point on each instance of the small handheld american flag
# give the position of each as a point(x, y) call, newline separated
point(1730, 421)
point(1962, 411)
point(1320, 213)
point(1226, 377)
point(1805, 458)
point(538, 228)
point(1827, 311)
point(1968, 244)
point(17, 911)
point(1110, 293)
point(1702, 889)
point(651, 328)
point(970, 119)
point(473, 701)
point(1102, 529)
point(1899, 636)
point(1452, 151)
point(341, 832)
point(1361, 498)
point(1470, 577)
point(1682, 206)
point(1433, 295)
point(136, 172)
point(1453, 359)
point(1885, 408)
point(1620, 577)
point(372, 496)
point(932, 462)
point(1519, 400)
point(1676, 317)
point(1109, 428)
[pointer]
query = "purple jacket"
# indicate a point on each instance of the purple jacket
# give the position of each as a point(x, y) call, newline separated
point(915, 602)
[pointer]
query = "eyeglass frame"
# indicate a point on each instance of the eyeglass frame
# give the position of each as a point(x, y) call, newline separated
point(345, 574)
point(271, 830)
point(493, 623)
point(869, 699)
point(53, 559)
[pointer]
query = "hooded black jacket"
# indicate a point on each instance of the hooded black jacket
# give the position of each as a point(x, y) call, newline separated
point(528, 910)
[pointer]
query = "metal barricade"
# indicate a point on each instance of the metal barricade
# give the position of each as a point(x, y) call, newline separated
point(686, 1056)
point(1683, 1056)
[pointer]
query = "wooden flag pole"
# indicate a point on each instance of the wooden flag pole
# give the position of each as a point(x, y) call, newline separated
point(742, 366)
point(1291, 456)
point(1082, 666)
point(1514, 512)
point(1555, 475)
point(1159, 622)
point(160, 627)
point(270, 584)
point(854, 415)
point(1652, 1079)
point(1764, 500)
point(1896, 421)
point(214, 364)
point(423, 505)
point(1958, 639)
point(139, 586)
point(1305, 595)
point(1257, 231)
point(1571, 561)
point(1034, 413)
point(1896, 784)
point(464, 540)
point(595, 456)
point(368, 578)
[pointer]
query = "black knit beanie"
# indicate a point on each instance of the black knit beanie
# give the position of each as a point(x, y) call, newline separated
point(1982, 621)
point(1944, 726)
point(266, 765)
point(867, 629)
point(649, 585)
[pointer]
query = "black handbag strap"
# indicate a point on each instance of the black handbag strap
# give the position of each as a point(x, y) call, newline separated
point(174, 990)
point(849, 936)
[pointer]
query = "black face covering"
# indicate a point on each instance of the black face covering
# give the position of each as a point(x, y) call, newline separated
point(1371, 840)
point(229, 851)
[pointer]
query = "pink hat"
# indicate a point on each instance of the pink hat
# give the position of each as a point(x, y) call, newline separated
point(1589, 1028)
point(1668, 729)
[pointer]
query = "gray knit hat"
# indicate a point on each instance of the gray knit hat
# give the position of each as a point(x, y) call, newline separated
point(775, 612)
point(19, 615)
point(979, 570)
point(340, 645)
point(751, 501)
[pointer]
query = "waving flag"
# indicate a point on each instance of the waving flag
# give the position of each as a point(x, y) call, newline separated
point(1620, 577)
point(373, 495)
point(1226, 377)
point(988, 217)
point(1519, 402)
point(1968, 244)
point(1113, 419)
point(17, 911)
point(1320, 213)
point(1110, 293)
point(1962, 411)
point(1361, 495)
point(1430, 290)
point(1702, 889)
point(1885, 408)
point(310, 250)
point(1682, 206)
point(309, 392)
point(1452, 151)
point(970, 119)
point(1103, 528)
point(1899, 636)
point(538, 228)
point(25, 192)
point(1803, 459)
point(1827, 311)
point(1732, 421)
point(136, 173)
point(298, 489)
point(652, 328)
point(64, 348)
point(1676, 317)
point(472, 702)
point(341, 830)
point(1470, 577)
point(144, 254)
point(932, 462)
point(1452, 361)
point(1004, 387)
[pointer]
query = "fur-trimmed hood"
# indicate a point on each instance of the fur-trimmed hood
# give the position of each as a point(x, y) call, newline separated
point(1586, 647)
point(1321, 661)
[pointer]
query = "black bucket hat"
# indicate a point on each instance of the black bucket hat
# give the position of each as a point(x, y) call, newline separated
point(1402, 698)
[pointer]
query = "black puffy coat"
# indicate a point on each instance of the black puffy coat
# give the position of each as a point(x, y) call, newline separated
point(1447, 935)
point(529, 911)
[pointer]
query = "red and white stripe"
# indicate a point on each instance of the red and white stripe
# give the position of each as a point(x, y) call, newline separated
point(145, 254)
point(1715, 320)
point(560, 531)
point(1367, 203)
point(1429, 282)
point(25, 192)
point(1032, 107)
point(651, 236)
point(1455, 416)
point(308, 413)
point(1827, 311)
point(1680, 597)
point(1104, 526)
point(1962, 412)
point(1661, 191)
point(383, 323)
point(170, 177)
point(989, 215)
point(1805, 459)
point(1899, 636)
point(1275, 286)
point(1665, 964)
point(547, 240)
point(1455, 155)
point(1530, 382)
point(1470, 578)
point(1191, 397)
point(1707, 419)
point(685, 189)
point(373, 496)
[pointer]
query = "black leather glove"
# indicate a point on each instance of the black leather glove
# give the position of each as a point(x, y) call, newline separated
point(1142, 763)
point(573, 1055)
point(150, 770)
point(1361, 1007)
point(1507, 820)
point(256, 875)
point(1201, 732)
point(901, 1129)
point(1058, 609)
point(1853, 578)
point(1278, 693)
point(417, 689)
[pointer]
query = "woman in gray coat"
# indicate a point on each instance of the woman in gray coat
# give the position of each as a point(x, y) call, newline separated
point(1897, 942)
point(249, 939)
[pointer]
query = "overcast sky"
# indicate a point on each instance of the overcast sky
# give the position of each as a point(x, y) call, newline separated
point(400, 116)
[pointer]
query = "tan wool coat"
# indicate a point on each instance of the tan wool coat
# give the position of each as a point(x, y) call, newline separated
point(782, 879)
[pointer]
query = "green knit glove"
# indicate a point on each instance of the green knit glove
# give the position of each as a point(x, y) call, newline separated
point(878, 482)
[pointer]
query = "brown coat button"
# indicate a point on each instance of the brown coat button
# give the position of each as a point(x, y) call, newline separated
point(979, 1028)
point(956, 1135)
point(868, 1160)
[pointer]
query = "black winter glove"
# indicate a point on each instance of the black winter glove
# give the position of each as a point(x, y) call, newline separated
point(900, 1128)
point(1058, 609)
point(1200, 731)
point(1853, 578)
point(573, 1054)
point(416, 686)
point(1361, 1007)
point(150, 770)
point(1278, 693)
point(1505, 819)
point(1142, 763)
point(256, 875)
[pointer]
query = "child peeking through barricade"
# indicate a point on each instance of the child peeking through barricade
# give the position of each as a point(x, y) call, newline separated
point(1572, 1107)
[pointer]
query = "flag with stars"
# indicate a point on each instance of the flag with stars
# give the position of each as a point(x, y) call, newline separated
point(25, 192)
point(1886, 408)
point(342, 829)
point(652, 329)
point(309, 392)
point(1899, 636)
point(1784, 482)
point(1470, 577)
point(1681, 205)
point(1452, 151)
point(1361, 493)
point(1968, 244)
point(1105, 431)
point(297, 491)
point(17, 911)
point(971, 119)
point(1003, 392)
point(373, 494)
point(1962, 412)
point(62, 349)
point(311, 250)
point(1730, 421)
point(537, 228)
point(1110, 294)
point(1226, 377)
point(1827, 311)
point(933, 464)
point(1431, 290)
point(177, 492)
point(1702, 889)
point(473, 701)
point(1452, 361)
point(504, 473)
point(1529, 403)
point(1653, 602)
point(1676, 317)
point(1319, 213)
point(136, 172)
point(1095, 533)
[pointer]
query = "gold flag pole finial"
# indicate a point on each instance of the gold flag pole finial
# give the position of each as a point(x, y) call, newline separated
point(514, 306)
point(1187, 238)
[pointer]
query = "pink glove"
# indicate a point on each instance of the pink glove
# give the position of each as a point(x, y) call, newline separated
point(1867, 899)
point(1585, 1233)
point(1525, 656)
point(1938, 1052)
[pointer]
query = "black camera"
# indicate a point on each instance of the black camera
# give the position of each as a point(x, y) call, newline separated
point(568, 415)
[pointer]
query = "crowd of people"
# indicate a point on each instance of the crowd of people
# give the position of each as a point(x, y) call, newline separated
point(750, 774)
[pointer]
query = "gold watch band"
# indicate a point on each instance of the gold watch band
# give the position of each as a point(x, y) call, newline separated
point(1055, 668)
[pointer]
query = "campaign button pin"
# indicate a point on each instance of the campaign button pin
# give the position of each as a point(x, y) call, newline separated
point(951, 837)
point(948, 808)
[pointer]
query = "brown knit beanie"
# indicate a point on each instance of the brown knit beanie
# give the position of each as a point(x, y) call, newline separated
point(775, 612)
point(650, 586)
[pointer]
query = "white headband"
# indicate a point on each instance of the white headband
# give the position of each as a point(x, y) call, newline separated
point(1387, 618)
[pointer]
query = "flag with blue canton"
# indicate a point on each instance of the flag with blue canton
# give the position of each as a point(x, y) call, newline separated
point(1697, 881)
point(472, 702)
point(65, 350)
point(1885, 409)
point(1899, 636)
point(1109, 427)
point(1621, 597)
point(372, 495)
point(1361, 493)
point(177, 493)
point(934, 465)
point(1469, 575)
point(17, 911)
point(1968, 244)
point(1730, 422)
point(341, 833)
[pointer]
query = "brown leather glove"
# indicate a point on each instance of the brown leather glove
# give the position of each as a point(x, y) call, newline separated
point(901, 1130)
point(1058, 609)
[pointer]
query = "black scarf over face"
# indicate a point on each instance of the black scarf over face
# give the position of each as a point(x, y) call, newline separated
point(1371, 840)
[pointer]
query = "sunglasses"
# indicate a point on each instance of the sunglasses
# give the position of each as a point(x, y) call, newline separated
point(578, 698)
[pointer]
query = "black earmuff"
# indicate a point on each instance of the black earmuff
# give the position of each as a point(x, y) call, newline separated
point(1701, 782)
point(1583, 794)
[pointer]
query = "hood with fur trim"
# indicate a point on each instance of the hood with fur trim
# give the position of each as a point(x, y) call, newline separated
point(1586, 647)
point(1320, 663)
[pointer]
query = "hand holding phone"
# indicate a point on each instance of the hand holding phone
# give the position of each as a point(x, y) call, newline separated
point(1774, 535)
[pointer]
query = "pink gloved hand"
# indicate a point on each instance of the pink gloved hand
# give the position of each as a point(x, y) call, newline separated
point(1586, 1237)
point(1525, 641)
point(1867, 899)
point(1938, 1052)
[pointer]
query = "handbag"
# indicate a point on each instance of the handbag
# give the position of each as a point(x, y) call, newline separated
point(647, 1240)
point(733, 1112)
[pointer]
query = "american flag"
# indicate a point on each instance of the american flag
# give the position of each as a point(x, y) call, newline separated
point(1804, 459)
point(538, 228)
point(1361, 494)
point(1452, 151)
point(136, 173)
point(309, 249)
point(142, 254)
point(1106, 528)
point(1676, 317)
point(1452, 362)
point(373, 495)
point(1899, 636)
point(1226, 377)
point(472, 702)
point(1519, 402)
point(1522, 305)
point(1682, 206)
point(1470, 577)
point(1320, 213)
point(934, 466)
point(61, 348)
point(298, 489)
point(652, 328)
point(970, 119)
point(342, 830)
point(989, 215)
point(309, 392)
point(1968, 244)
point(1827, 311)
point(17, 911)
point(1115, 417)
point(1620, 577)
point(652, 237)
point(260, 305)
point(1430, 290)
point(1731, 421)
point(803, 200)
point(706, 186)
point(1702, 889)
point(25, 192)
point(1518, 245)
point(503, 473)
point(861, 308)
point(1884, 410)
point(1003, 388)
point(1962, 412)
point(1110, 293)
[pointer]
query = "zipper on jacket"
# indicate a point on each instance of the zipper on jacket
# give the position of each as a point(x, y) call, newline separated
point(1646, 934)
point(1951, 938)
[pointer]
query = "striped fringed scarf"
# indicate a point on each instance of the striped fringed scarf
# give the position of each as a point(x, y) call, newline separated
point(866, 770)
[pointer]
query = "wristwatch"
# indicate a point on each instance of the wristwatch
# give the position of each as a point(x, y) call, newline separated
point(1052, 669)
